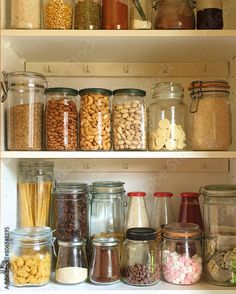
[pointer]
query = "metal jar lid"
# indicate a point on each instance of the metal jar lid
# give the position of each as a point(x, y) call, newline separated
point(106, 242)
point(182, 231)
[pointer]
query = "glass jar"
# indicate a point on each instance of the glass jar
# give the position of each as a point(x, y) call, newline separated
point(182, 254)
point(95, 119)
point(58, 14)
point(115, 14)
point(190, 211)
point(25, 14)
point(107, 210)
point(72, 266)
point(35, 183)
point(25, 92)
point(210, 15)
point(210, 116)
point(174, 14)
point(129, 120)
point(70, 211)
point(167, 118)
point(137, 215)
point(31, 256)
point(61, 119)
point(141, 15)
point(105, 263)
point(88, 15)
point(220, 234)
point(141, 260)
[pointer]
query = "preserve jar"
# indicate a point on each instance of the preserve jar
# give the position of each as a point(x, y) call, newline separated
point(95, 119)
point(31, 256)
point(167, 118)
point(129, 120)
point(141, 259)
point(72, 266)
point(61, 119)
point(35, 183)
point(88, 15)
point(174, 14)
point(209, 14)
point(141, 15)
point(210, 116)
point(115, 14)
point(25, 105)
point(220, 234)
point(182, 254)
point(105, 262)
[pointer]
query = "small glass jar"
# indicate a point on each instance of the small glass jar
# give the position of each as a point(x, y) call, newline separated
point(88, 15)
point(72, 266)
point(115, 14)
point(58, 14)
point(141, 259)
point(220, 234)
point(210, 120)
point(137, 215)
point(210, 15)
point(141, 15)
point(129, 120)
point(95, 119)
point(105, 263)
point(182, 254)
point(167, 118)
point(31, 256)
point(61, 119)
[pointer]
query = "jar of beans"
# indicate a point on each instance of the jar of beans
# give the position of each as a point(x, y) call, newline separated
point(61, 119)
point(115, 14)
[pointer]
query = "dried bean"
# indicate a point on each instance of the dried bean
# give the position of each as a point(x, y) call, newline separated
point(139, 274)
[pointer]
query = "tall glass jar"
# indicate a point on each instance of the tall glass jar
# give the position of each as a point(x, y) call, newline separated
point(220, 234)
point(25, 92)
point(95, 119)
point(141, 14)
point(115, 14)
point(31, 256)
point(141, 259)
point(167, 118)
point(129, 120)
point(210, 15)
point(210, 116)
point(61, 119)
point(182, 254)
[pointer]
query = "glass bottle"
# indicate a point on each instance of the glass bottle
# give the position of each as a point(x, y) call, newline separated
point(210, 15)
point(167, 118)
point(115, 14)
point(141, 14)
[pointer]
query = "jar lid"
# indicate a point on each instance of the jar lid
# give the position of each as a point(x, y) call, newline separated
point(181, 231)
point(168, 90)
point(101, 91)
point(220, 190)
point(31, 235)
point(107, 187)
point(189, 195)
point(37, 167)
point(136, 194)
point(141, 234)
point(26, 74)
point(75, 242)
point(70, 188)
point(198, 87)
point(163, 194)
point(106, 242)
point(130, 91)
point(67, 91)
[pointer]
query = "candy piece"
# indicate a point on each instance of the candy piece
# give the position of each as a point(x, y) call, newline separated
point(164, 124)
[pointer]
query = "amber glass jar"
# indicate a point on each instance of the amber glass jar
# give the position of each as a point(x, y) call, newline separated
point(115, 14)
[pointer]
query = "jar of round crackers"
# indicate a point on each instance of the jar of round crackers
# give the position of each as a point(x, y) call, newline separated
point(167, 118)
point(95, 119)
point(129, 120)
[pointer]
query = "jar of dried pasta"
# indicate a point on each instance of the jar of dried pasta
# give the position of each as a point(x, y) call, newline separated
point(210, 116)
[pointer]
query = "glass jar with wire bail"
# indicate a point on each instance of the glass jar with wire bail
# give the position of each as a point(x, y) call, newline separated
point(210, 118)
point(167, 118)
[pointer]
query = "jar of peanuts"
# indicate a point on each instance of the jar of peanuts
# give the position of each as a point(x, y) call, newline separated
point(61, 119)
point(129, 120)
point(95, 119)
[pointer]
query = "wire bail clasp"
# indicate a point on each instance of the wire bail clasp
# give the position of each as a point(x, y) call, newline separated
point(196, 95)
point(5, 86)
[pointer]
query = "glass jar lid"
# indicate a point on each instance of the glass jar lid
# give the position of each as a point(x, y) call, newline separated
point(198, 88)
point(219, 190)
point(163, 194)
point(189, 195)
point(36, 168)
point(70, 189)
point(141, 234)
point(32, 235)
point(101, 91)
point(181, 231)
point(130, 92)
point(73, 243)
point(168, 90)
point(107, 187)
point(106, 242)
point(59, 90)
point(136, 194)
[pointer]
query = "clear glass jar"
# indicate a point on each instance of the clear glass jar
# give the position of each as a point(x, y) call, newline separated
point(210, 15)
point(210, 118)
point(129, 120)
point(137, 215)
point(26, 14)
point(182, 254)
point(115, 14)
point(105, 262)
point(25, 104)
point(88, 15)
point(167, 118)
point(58, 14)
point(141, 259)
point(220, 234)
point(174, 14)
point(61, 119)
point(107, 210)
point(141, 15)
point(31, 256)
point(70, 211)
point(95, 119)
point(72, 266)
point(35, 183)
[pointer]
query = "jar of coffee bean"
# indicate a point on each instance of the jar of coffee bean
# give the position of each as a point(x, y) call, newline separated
point(61, 119)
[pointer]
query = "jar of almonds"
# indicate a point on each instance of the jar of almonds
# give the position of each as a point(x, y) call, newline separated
point(95, 119)
point(129, 120)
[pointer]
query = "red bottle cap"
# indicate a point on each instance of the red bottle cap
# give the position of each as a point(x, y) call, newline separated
point(190, 195)
point(136, 194)
point(163, 194)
